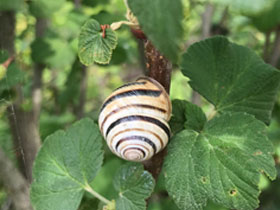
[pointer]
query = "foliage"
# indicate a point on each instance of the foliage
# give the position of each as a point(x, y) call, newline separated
point(93, 46)
point(221, 155)
point(157, 27)
point(231, 77)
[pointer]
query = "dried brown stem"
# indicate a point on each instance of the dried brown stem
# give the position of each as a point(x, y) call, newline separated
point(160, 69)
point(8, 61)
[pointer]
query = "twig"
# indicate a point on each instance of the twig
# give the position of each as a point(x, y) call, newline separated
point(96, 194)
point(275, 55)
point(15, 184)
point(267, 46)
point(41, 26)
point(160, 69)
point(8, 61)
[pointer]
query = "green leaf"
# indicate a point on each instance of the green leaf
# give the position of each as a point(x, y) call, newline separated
point(12, 77)
point(66, 163)
point(3, 71)
point(53, 52)
point(231, 77)
point(161, 22)
point(134, 186)
point(268, 19)
point(223, 163)
point(45, 8)
point(93, 47)
point(186, 115)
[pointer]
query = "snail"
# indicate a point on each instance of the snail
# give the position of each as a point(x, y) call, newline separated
point(134, 119)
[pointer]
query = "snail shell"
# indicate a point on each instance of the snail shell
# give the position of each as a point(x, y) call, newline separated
point(133, 119)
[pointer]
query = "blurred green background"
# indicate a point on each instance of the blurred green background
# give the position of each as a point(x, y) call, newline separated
point(64, 75)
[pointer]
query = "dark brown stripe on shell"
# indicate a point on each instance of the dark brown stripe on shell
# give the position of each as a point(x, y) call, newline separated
point(138, 129)
point(128, 106)
point(139, 118)
point(136, 92)
point(131, 84)
point(141, 138)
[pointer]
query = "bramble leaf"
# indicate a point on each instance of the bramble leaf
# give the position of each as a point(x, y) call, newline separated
point(93, 47)
point(161, 22)
point(134, 186)
point(65, 165)
point(13, 76)
point(231, 77)
point(223, 163)
point(186, 115)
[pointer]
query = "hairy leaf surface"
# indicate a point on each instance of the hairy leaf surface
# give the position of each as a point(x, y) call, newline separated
point(223, 163)
point(186, 115)
point(93, 47)
point(66, 164)
point(232, 77)
point(161, 22)
point(134, 186)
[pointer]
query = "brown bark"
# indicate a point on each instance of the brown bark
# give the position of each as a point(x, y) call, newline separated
point(7, 31)
point(26, 138)
point(158, 66)
point(15, 183)
point(160, 69)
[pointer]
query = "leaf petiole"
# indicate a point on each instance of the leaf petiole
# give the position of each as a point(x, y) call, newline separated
point(96, 194)
point(117, 25)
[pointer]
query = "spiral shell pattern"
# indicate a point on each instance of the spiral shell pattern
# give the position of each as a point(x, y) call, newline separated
point(134, 119)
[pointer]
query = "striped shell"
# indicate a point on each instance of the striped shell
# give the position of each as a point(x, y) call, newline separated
point(133, 119)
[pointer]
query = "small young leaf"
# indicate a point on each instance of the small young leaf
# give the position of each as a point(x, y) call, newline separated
point(223, 163)
point(186, 115)
point(134, 186)
point(161, 22)
point(232, 77)
point(12, 77)
point(93, 47)
point(66, 163)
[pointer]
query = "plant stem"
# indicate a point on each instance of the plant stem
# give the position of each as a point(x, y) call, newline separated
point(160, 69)
point(212, 114)
point(275, 55)
point(267, 46)
point(97, 195)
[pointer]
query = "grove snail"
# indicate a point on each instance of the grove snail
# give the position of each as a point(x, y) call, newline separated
point(134, 119)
